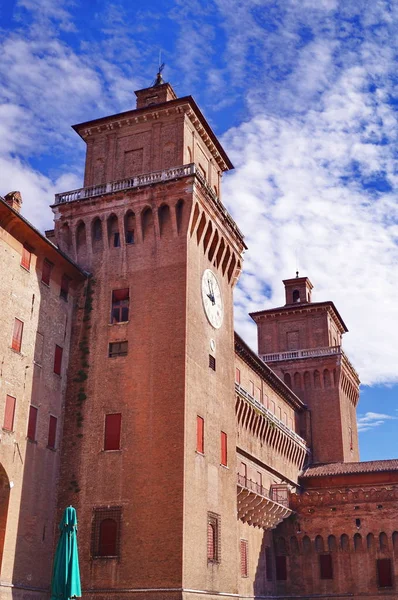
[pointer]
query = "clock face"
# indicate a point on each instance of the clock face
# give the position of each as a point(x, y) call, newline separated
point(212, 300)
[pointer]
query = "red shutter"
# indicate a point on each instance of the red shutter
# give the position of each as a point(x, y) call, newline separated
point(118, 295)
point(280, 568)
point(9, 413)
point(26, 257)
point(52, 432)
point(112, 431)
point(108, 538)
point(17, 335)
point(326, 566)
point(58, 360)
point(32, 423)
point(384, 573)
point(243, 558)
point(200, 445)
point(224, 449)
point(46, 272)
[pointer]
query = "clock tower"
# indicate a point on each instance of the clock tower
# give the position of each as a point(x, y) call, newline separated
point(148, 455)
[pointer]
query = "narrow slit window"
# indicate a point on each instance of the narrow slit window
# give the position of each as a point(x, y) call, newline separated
point(113, 424)
point(58, 360)
point(212, 362)
point(9, 413)
point(224, 449)
point(243, 558)
point(237, 375)
point(213, 538)
point(46, 272)
point(200, 437)
point(120, 305)
point(26, 257)
point(52, 432)
point(17, 335)
point(32, 422)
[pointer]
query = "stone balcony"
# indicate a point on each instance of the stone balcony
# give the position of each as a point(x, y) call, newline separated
point(260, 507)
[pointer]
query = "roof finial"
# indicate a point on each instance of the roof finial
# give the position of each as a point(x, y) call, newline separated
point(159, 79)
point(297, 274)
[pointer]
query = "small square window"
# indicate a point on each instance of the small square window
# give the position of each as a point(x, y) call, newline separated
point(118, 349)
point(212, 362)
point(46, 272)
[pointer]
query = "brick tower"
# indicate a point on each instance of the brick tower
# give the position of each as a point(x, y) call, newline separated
point(301, 341)
point(149, 424)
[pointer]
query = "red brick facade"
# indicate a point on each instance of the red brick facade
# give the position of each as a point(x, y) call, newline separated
point(196, 467)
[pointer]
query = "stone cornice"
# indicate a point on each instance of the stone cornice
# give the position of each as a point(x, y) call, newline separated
point(301, 308)
point(354, 495)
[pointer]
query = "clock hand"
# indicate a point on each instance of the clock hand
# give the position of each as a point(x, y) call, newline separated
point(212, 298)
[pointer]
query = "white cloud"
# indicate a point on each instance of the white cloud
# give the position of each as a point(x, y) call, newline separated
point(370, 420)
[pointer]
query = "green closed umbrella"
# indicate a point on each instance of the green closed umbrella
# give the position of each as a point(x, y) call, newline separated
point(65, 581)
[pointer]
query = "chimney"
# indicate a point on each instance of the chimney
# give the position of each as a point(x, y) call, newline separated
point(14, 199)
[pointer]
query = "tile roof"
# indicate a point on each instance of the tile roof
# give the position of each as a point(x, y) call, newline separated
point(340, 468)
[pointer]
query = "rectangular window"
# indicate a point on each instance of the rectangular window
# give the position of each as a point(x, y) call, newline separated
point(105, 534)
point(26, 257)
point(251, 389)
point(200, 434)
point(113, 423)
point(268, 563)
point(224, 449)
point(116, 239)
point(118, 349)
point(65, 281)
point(384, 573)
point(46, 272)
point(120, 306)
point(58, 360)
point(243, 558)
point(130, 236)
point(280, 568)
point(237, 375)
point(52, 432)
point(213, 538)
point(9, 413)
point(326, 566)
point(212, 362)
point(259, 481)
point(272, 408)
point(257, 394)
point(285, 418)
point(32, 423)
point(17, 335)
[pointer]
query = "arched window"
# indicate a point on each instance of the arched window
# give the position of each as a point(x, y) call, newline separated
point(66, 236)
point(307, 380)
point(370, 541)
point(281, 547)
point(297, 381)
point(296, 296)
point(81, 238)
point(383, 541)
point(287, 379)
point(147, 223)
point(107, 545)
point(344, 542)
point(96, 234)
point(179, 214)
point(165, 220)
point(332, 545)
point(129, 227)
point(319, 544)
point(317, 379)
point(357, 542)
point(306, 544)
point(326, 379)
point(294, 545)
point(113, 232)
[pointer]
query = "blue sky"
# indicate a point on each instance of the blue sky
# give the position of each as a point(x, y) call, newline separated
point(304, 96)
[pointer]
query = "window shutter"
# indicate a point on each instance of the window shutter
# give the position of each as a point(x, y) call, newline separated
point(384, 572)
point(243, 558)
point(224, 449)
point(280, 567)
point(112, 431)
point(9, 413)
point(26, 257)
point(200, 446)
point(52, 432)
point(17, 335)
point(46, 272)
point(58, 360)
point(108, 538)
point(32, 423)
point(118, 295)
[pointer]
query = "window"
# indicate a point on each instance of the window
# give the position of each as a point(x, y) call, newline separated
point(118, 349)
point(280, 568)
point(268, 563)
point(213, 538)
point(243, 558)
point(237, 375)
point(296, 296)
point(116, 239)
point(105, 538)
point(26, 256)
point(58, 360)
point(65, 281)
point(9, 413)
point(52, 432)
point(224, 449)
point(46, 272)
point(212, 362)
point(272, 407)
point(120, 305)
point(200, 434)
point(251, 389)
point(326, 566)
point(32, 423)
point(130, 236)
point(384, 572)
point(113, 424)
point(17, 335)
point(257, 394)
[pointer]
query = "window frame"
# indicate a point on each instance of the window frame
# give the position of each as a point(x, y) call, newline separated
point(26, 257)
point(46, 271)
point(100, 514)
point(224, 449)
point(120, 306)
point(214, 520)
point(200, 434)
point(16, 341)
point(244, 564)
point(58, 355)
point(212, 362)
point(117, 354)
point(52, 433)
point(32, 423)
point(8, 423)
point(111, 436)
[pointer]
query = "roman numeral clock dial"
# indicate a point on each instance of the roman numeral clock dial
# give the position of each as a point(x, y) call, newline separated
point(212, 299)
